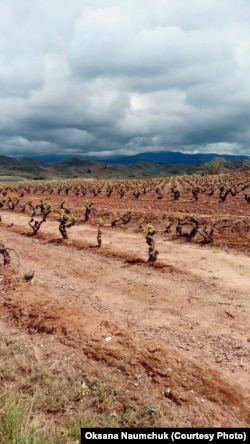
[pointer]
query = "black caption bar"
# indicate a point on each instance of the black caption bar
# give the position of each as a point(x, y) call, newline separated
point(174, 435)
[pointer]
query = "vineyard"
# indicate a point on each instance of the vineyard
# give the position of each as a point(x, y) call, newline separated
point(204, 209)
point(138, 286)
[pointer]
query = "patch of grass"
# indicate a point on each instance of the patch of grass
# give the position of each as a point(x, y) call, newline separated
point(44, 398)
point(19, 425)
point(128, 417)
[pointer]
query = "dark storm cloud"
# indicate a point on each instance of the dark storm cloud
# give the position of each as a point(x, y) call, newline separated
point(105, 77)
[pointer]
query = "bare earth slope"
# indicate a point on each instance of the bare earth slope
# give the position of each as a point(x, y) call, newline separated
point(178, 331)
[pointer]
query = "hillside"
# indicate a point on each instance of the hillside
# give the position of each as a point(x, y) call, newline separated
point(140, 165)
point(100, 340)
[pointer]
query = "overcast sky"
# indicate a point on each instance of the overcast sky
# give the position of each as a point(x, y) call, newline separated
point(109, 77)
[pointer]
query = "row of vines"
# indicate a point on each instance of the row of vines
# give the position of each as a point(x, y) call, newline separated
point(188, 187)
point(135, 202)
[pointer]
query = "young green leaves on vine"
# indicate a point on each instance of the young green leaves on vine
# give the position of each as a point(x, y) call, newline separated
point(99, 231)
point(149, 233)
point(66, 221)
point(40, 212)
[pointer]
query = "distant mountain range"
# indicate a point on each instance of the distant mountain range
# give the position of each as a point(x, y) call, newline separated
point(173, 158)
point(138, 165)
point(164, 157)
